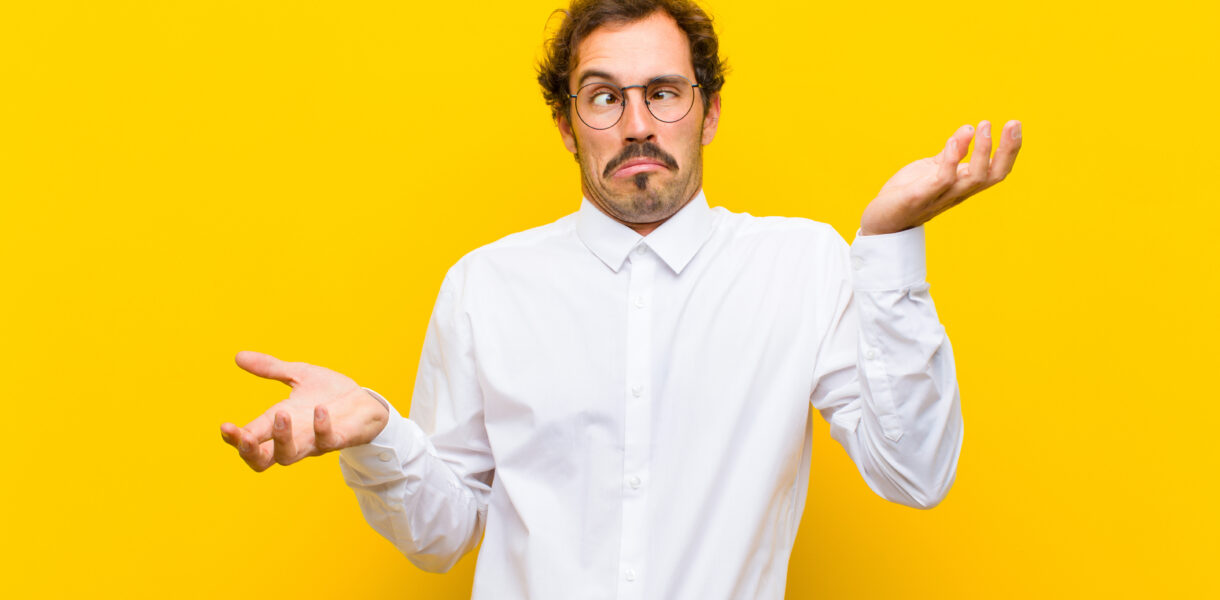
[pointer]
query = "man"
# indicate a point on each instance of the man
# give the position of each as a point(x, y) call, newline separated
point(618, 403)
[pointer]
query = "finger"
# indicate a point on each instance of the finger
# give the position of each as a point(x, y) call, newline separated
point(950, 156)
point(257, 456)
point(1006, 154)
point(949, 177)
point(285, 443)
point(229, 433)
point(962, 137)
point(325, 438)
point(980, 158)
point(260, 428)
point(268, 367)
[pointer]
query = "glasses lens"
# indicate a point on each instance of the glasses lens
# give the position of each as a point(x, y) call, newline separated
point(599, 105)
point(670, 97)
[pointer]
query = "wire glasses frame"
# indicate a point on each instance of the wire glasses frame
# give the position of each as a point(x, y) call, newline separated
point(601, 105)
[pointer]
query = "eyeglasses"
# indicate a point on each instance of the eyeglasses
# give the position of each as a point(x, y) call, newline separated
point(600, 105)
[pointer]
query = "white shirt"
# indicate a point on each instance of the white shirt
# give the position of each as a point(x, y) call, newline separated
point(625, 417)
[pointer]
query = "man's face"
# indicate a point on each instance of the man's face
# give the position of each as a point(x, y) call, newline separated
point(640, 171)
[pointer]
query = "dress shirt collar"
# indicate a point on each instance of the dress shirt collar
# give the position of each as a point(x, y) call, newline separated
point(676, 241)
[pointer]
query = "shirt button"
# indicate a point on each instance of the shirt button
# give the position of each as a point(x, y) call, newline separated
point(640, 250)
point(870, 354)
point(384, 456)
point(637, 391)
point(639, 302)
point(635, 482)
point(629, 575)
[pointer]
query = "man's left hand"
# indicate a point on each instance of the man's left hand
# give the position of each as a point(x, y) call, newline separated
point(930, 186)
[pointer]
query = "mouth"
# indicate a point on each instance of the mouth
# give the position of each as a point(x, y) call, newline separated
point(639, 159)
point(639, 165)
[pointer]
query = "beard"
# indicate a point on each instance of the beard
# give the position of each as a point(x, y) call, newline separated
point(646, 197)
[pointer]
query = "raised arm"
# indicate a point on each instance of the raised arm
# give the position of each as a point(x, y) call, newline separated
point(422, 483)
point(886, 379)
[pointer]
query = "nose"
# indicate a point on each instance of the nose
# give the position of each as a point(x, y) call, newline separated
point(638, 125)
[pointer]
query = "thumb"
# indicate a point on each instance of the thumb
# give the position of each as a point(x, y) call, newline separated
point(267, 367)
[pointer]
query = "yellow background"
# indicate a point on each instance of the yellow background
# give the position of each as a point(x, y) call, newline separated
point(183, 180)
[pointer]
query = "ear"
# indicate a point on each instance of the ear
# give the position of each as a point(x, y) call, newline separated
point(565, 131)
point(711, 119)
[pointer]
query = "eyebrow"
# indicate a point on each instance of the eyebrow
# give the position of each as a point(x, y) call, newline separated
point(594, 73)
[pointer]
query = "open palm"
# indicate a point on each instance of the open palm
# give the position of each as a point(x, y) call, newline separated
point(325, 411)
point(930, 186)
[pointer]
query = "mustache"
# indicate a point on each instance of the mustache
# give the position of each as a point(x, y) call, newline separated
point(644, 150)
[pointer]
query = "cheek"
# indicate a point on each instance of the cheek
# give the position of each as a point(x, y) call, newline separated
point(688, 143)
point(595, 150)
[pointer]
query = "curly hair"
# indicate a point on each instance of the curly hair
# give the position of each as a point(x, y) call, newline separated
point(585, 16)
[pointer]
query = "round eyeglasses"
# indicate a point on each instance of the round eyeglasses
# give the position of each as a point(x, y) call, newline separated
point(600, 105)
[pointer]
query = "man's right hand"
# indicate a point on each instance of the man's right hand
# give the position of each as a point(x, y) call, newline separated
point(325, 411)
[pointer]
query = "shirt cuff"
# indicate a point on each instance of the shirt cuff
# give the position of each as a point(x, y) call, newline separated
point(383, 457)
point(888, 261)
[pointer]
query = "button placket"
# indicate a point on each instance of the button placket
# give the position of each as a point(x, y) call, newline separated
point(637, 418)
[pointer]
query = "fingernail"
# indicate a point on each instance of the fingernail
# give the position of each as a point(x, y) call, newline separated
point(245, 447)
point(985, 129)
point(320, 414)
point(279, 422)
point(1016, 131)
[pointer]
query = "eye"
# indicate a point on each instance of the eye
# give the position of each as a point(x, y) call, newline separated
point(603, 98)
point(664, 94)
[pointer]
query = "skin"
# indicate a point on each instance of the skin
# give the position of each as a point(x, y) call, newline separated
point(930, 186)
point(327, 411)
point(632, 54)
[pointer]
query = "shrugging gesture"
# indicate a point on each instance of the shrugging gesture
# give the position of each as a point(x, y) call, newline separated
point(325, 411)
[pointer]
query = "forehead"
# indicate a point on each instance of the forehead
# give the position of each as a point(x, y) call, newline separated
point(635, 52)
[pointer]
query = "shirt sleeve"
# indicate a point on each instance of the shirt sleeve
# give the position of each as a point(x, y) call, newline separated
point(423, 483)
point(885, 378)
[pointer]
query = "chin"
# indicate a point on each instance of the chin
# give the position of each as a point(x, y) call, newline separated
point(644, 197)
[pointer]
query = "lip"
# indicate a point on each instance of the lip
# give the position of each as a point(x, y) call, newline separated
point(639, 165)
